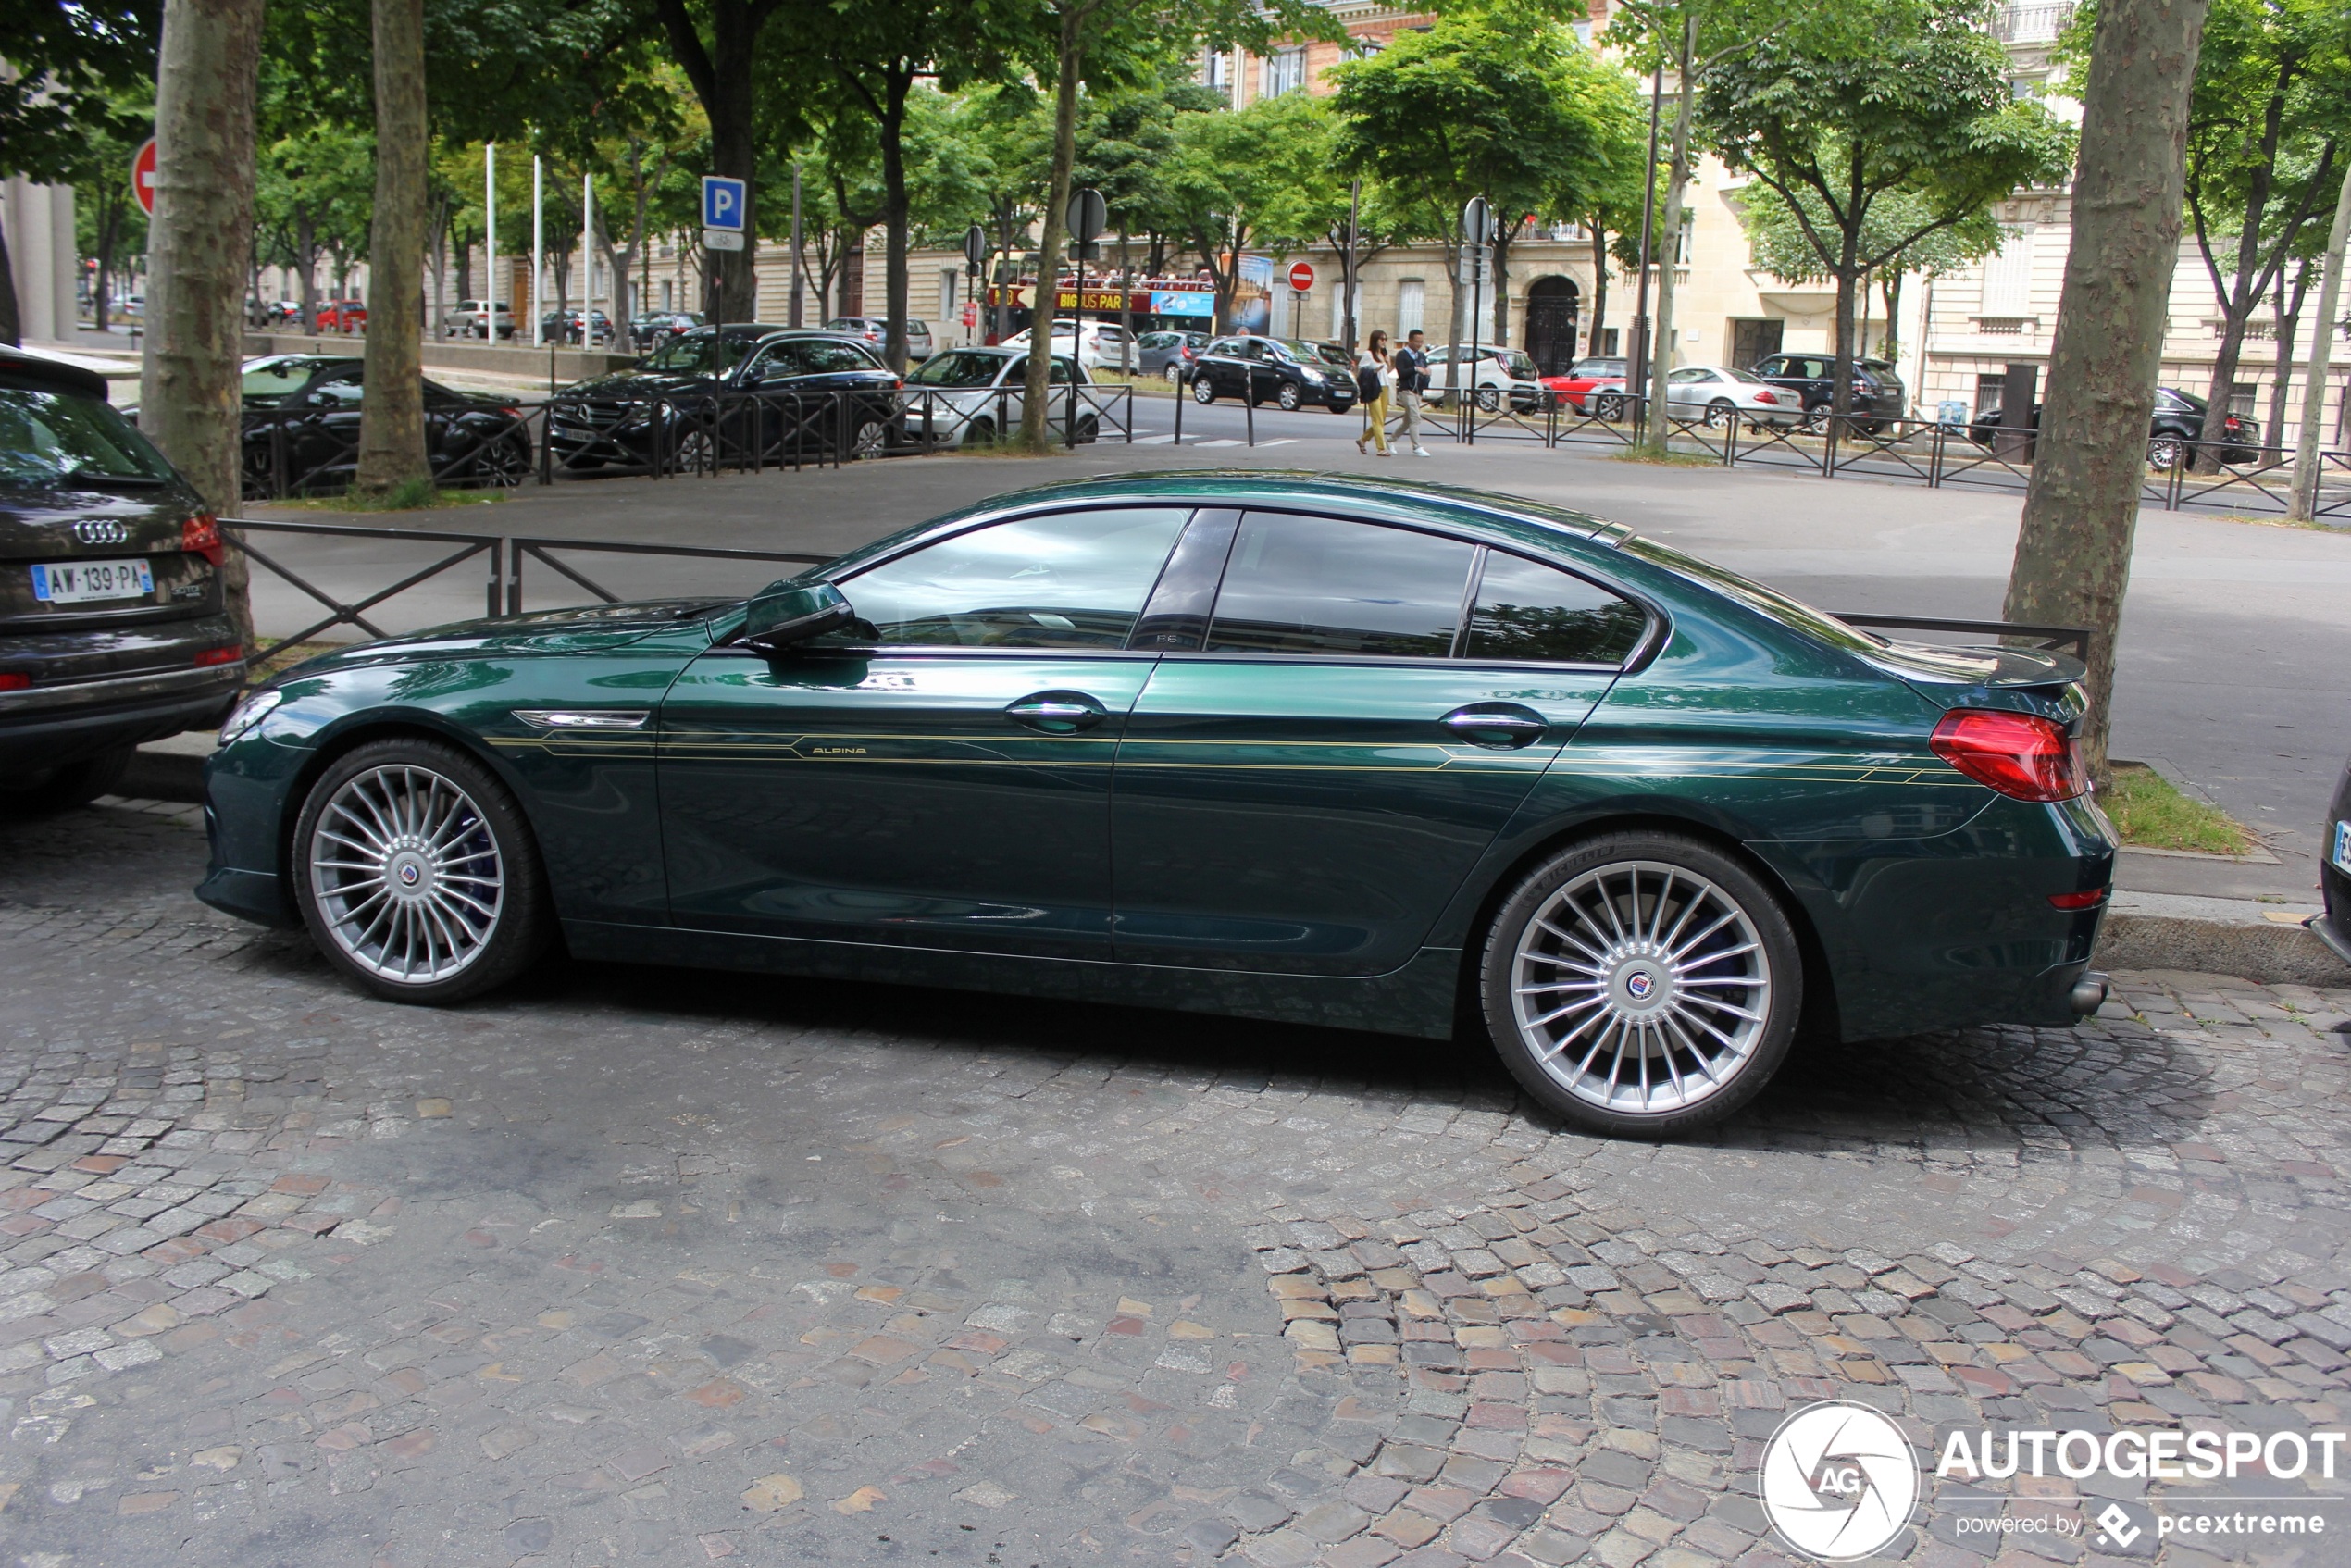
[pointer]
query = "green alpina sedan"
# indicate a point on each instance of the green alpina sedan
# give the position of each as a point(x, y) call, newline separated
point(1389, 756)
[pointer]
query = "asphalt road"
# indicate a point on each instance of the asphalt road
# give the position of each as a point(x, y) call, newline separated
point(2236, 643)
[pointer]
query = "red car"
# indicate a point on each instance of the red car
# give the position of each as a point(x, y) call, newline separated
point(343, 316)
point(1594, 386)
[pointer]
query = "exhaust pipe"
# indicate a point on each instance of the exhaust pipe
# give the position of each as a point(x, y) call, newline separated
point(2089, 993)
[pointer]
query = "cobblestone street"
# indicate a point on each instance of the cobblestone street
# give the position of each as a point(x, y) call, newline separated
point(648, 1265)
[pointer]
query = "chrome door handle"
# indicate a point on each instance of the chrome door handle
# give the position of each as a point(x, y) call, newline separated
point(1503, 728)
point(1057, 712)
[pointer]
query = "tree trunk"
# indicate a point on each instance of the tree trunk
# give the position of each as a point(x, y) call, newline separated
point(1049, 244)
point(896, 205)
point(2286, 309)
point(11, 324)
point(2081, 504)
point(392, 411)
point(189, 398)
point(305, 243)
point(1668, 247)
point(1599, 288)
point(1503, 234)
point(2314, 397)
point(722, 74)
point(1891, 351)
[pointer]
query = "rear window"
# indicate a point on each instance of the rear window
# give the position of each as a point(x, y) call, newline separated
point(54, 438)
point(1526, 610)
point(1767, 602)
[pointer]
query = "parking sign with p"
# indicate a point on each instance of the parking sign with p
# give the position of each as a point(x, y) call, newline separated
point(722, 202)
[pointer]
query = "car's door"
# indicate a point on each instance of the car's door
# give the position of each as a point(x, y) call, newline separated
point(939, 776)
point(1686, 389)
point(1220, 368)
point(1319, 759)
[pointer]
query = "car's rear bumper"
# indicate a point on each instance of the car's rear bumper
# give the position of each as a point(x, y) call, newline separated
point(51, 726)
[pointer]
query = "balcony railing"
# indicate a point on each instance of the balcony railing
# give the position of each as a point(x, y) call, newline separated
point(2032, 24)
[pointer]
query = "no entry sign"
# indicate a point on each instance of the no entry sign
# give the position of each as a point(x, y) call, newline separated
point(1302, 277)
point(142, 177)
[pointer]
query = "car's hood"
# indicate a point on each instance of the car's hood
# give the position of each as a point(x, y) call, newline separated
point(588, 630)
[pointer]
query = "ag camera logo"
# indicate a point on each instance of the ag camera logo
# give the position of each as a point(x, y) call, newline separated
point(1840, 1480)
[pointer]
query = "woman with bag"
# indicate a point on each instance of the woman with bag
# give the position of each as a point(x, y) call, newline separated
point(1372, 376)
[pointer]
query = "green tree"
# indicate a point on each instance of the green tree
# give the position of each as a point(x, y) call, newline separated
point(1506, 105)
point(2267, 129)
point(1899, 227)
point(1913, 102)
point(1262, 175)
point(110, 225)
point(77, 75)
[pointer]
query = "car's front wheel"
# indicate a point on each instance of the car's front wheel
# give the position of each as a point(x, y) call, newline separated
point(1288, 396)
point(1721, 411)
point(1202, 392)
point(1642, 984)
point(417, 875)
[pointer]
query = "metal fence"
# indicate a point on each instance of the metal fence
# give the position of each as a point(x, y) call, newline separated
point(594, 432)
point(502, 557)
point(1934, 453)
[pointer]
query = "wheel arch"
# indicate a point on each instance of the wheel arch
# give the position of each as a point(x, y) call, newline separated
point(413, 725)
point(1820, 1017)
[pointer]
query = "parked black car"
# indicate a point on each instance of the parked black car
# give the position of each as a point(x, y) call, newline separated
point(567, 326)
point(1877, 390)
point(302, 429)
point(736, 393)
point(2172, 430)
point(655, 327)
point(2334, 872)
point(1289, 372)
point(112, 626)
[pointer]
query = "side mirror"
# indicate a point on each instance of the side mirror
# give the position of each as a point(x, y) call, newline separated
point(792, 615)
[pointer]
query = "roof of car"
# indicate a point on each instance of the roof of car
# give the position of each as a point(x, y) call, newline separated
point(52, 375)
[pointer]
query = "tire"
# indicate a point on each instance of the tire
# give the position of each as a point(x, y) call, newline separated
point(1744, 949)
point(1721, 411)
point(1172, 373)
point(1608, 407)
point(1489, 399)
point(980, 432)
point(2165, 452)
point(1089, 429)
point(1287, 397)
point(692, 453)
point(1202, 394)
point(410, 854)
point(63, 789)
point(871, 439)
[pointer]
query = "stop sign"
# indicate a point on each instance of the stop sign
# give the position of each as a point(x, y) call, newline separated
point(142, 177)
point(1302, 277)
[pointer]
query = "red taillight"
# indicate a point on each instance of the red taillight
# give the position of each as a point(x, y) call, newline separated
point(220, 656)
point(201, 536)
point(2089, 898)
point(14, 682)
point(2021, 756)
point(1765, 397)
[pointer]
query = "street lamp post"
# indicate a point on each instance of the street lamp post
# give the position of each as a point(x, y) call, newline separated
point(489, 262)
point(538, 248)
point(1637, 362)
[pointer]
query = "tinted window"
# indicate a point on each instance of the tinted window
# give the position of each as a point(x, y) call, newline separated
point(1526, 610)
point(46, 437)
point(268, 382)
point(780, 360)
point(833, 359)
point(961, 368)
point(1685, 378)
point(1317, 585)
point(342, 391)
point(1074, 579)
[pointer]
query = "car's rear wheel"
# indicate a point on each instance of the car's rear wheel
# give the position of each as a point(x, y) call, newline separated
point(416, 873)
point(1608, 407)
point(870, 439)
point(1173, 372)
point(62, 788)
point(2165, 452)
point(1642, 984)
point(1489, 398)
point(1089, 429)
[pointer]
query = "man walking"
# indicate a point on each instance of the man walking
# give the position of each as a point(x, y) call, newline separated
point(1411, 380)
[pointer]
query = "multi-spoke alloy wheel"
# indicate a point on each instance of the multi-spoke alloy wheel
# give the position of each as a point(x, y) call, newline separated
point(417, 875)
point(1642, 983)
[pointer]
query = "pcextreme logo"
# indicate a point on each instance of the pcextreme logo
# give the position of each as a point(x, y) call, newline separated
point(1838, 1481)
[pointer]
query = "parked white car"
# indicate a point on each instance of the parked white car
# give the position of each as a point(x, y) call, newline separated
point(467, 319)
point(971, 396)
point(1499, 373)
point(1096, 343)
point(1717, 395)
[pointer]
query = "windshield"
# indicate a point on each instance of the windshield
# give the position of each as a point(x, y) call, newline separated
point(267, 383)
point(1521, 364)
point(690, 352)
point(46, 437)
point(962, 367)
point(1764, 601)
